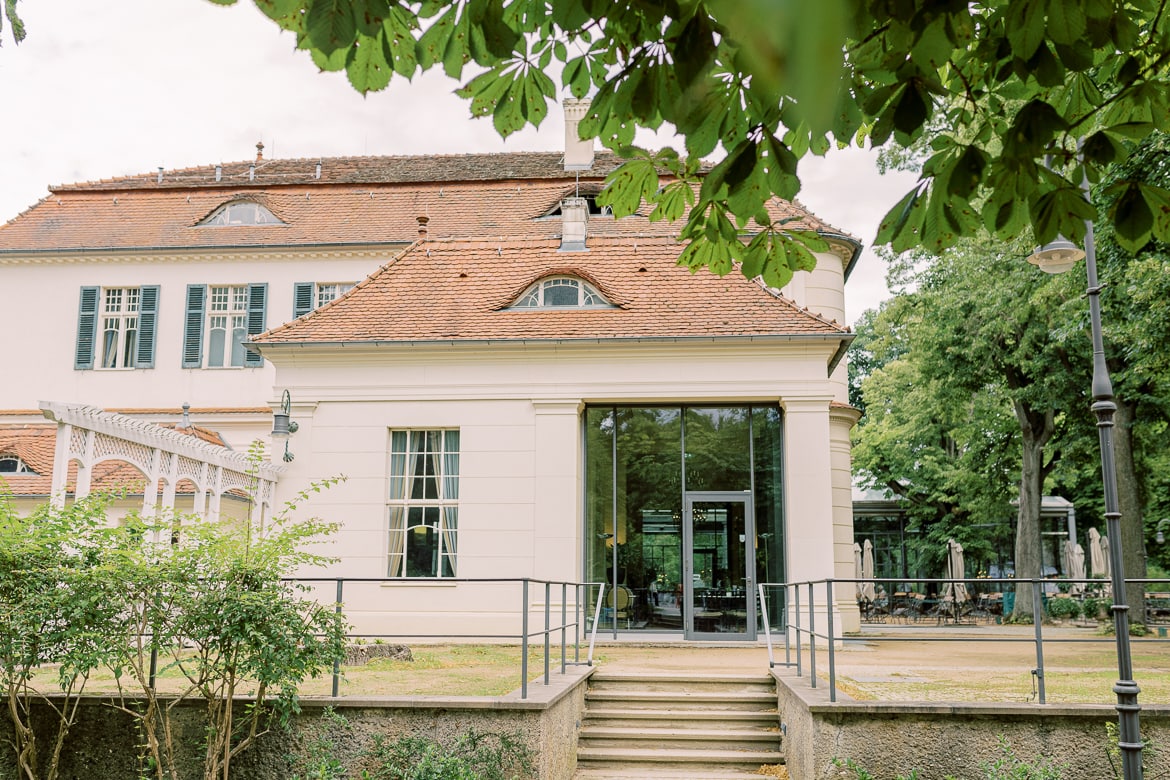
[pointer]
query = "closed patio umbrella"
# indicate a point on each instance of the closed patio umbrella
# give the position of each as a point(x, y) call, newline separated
point(867, 588)
point(1098, 565)
point(955, 571)
point(857, 568)
point(1077, 571)
point(1105, 556)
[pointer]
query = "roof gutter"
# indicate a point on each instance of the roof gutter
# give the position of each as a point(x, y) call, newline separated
point(845, 338)
point(850, 241)
point(839, 355)
point(16, 253)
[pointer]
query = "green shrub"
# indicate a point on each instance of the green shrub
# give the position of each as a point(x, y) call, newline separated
point(1064, 609)
point(473, 756)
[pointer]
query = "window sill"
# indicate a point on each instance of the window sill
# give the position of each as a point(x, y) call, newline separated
point(432, 582)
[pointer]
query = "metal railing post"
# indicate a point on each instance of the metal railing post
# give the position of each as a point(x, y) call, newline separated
point(1038, 622)
point(767, 627)
point(547, 627)
point(564, 622)
point(524, 640)
point(337, 661)
point(596, 619)
point(812, 638)
point(796, 611)
point(832, 656)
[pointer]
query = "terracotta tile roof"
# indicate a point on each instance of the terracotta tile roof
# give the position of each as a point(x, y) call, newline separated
point(455, 290)
point(35, 445)
point(361, 200)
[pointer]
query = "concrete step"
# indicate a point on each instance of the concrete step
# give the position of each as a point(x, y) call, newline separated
point(689, 681)
point(673, 719)
point(666, 738)
point(695, 760)
point(682, 699)
point(661, 773)
point(676, 726)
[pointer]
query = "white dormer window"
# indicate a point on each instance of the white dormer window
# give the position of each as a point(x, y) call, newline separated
point(562, 292)
point(241, 212)
point(11, 464)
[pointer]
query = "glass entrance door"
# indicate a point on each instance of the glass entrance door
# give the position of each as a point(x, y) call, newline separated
point(719, 598)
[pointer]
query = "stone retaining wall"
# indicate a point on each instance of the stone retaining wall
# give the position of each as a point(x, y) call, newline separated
point(104, 743)
point(940, 740)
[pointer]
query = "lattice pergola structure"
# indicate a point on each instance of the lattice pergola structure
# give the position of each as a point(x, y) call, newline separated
point(165, 457)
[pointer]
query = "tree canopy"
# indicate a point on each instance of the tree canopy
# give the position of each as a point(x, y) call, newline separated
point(1016, 82)
point(1035, 95)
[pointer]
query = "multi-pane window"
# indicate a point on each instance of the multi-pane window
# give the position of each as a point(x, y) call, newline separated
point(308, 296)
point(119, 327)
point(227, 325)
point(116, 327)
point(561, 292)
point(12, 464)
point(241, 212)
point(218, 322)
point(331, 292)
point(423, 503)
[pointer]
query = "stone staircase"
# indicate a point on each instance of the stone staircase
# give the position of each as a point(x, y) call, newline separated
point(678, 726)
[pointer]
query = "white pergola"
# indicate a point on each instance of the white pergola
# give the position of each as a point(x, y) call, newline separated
point(165, 457)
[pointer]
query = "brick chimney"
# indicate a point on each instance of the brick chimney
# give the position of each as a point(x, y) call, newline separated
point(574, 219)
point(578, 153)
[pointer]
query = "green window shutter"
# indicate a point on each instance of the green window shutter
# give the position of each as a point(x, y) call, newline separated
point(193, 327)
point(87, 315)
point(147, 325)
point(302, 299)
point(257, 299)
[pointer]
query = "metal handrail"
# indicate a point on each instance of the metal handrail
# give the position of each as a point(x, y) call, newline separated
point(525, 635)
point(1036, 585)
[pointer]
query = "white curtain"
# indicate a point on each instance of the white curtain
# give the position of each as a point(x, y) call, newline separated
point(397, 538)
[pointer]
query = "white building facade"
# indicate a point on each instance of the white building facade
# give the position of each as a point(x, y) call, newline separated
point(502, 406)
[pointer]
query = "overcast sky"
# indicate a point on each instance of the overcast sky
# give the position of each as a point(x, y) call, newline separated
point(109, 89)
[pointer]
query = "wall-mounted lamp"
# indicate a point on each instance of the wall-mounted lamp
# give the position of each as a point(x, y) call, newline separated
point(1159, 536)
point(282, 426)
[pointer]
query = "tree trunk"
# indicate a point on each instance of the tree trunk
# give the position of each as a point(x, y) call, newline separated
point(1130, 504)
point(1035, 431)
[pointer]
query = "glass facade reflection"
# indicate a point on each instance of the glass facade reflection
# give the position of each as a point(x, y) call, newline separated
point(641, 464)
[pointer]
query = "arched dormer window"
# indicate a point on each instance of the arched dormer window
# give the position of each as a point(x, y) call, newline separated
point(561, 292)
point(241, 212)
point(12, 464)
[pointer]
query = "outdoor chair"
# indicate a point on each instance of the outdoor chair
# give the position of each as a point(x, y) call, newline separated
point(618, 602)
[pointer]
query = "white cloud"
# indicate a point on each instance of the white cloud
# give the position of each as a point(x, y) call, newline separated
point(102, 90)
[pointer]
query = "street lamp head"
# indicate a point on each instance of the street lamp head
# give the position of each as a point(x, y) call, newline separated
point(1159, 536)
point(1057, 256)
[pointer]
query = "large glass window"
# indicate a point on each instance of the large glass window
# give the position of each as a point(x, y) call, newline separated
point(423, 503)
point(634, 489)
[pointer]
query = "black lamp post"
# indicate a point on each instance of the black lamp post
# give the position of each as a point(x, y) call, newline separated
point(1057, 257)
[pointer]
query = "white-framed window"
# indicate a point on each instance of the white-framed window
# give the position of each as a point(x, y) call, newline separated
point(219, 319)
point(562, 292)
point(12, 464)
point(227, 325)
point(331, 291)
point(119, 327)
point(423, 503)
point(308, 296)
point(239, 213)
point(116, 327)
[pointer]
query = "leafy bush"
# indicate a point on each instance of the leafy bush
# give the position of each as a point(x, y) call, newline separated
point(1064, 608)
point(473, 756)
point(1094, 606)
